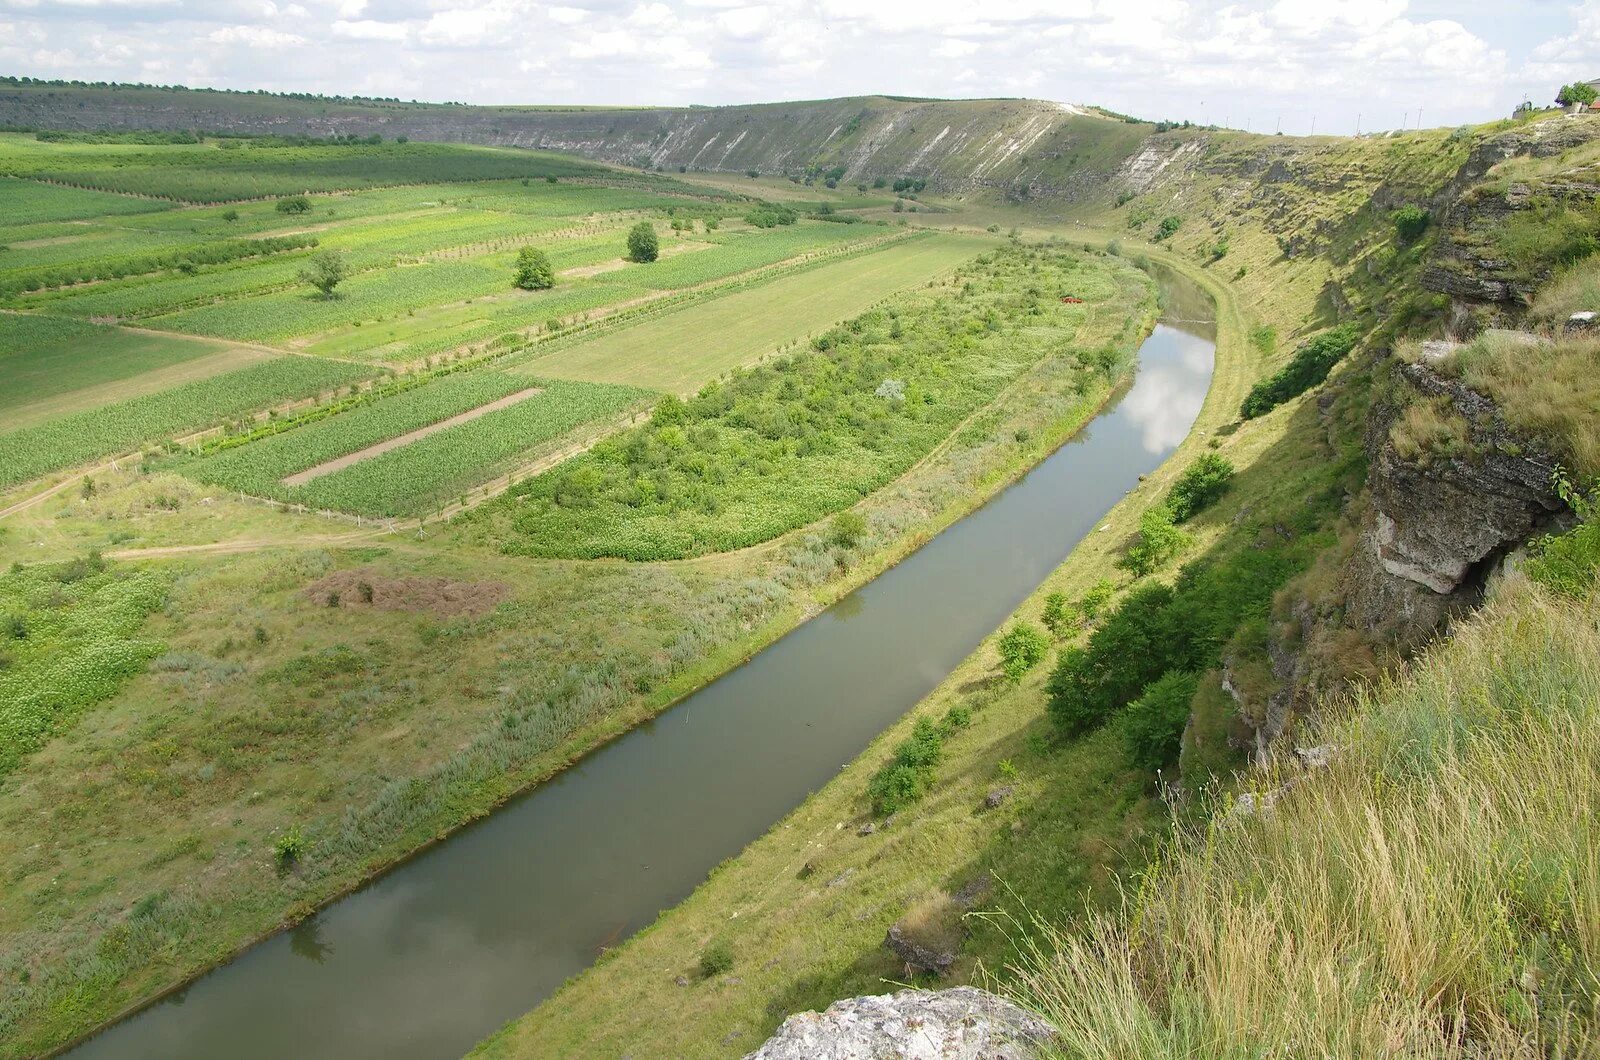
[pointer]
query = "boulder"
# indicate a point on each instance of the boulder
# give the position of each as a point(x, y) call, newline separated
point(958, 1024)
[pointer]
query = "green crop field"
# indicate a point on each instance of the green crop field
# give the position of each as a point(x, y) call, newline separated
point(679, 352)
point(224, 170)
point(65, 441)
point(54, 366)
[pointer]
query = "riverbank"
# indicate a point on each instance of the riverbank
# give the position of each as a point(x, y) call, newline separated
point(1024, 423)
point(803, 910)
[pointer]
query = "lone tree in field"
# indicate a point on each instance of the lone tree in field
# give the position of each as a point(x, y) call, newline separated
point(642, 243)
point(325, 271)
point(534, 271)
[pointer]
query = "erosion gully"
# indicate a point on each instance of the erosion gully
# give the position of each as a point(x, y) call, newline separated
point(429, 958)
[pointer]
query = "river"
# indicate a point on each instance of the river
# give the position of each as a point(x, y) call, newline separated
point(429, 958)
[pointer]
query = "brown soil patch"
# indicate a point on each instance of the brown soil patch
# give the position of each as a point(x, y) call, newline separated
point(419, 593)
point(585, 271)
point(300, 478)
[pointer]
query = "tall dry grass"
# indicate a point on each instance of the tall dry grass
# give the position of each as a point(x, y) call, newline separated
point(1433, 892)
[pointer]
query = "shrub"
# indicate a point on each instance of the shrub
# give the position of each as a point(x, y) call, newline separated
point(534, 271)
point(1308, 367)
point(771, 215)
point(848, 529)
point(1095, 600)
point(1570, 563)
point(1200, 486)
point(908, 775)
point(289, 846)
point(716, 959)
point(1152, 726)
point(643, 246)
point(294, 204)
point(1159, 541)
point(1577, 92)
point(1409, 222)
point(1169, 224)
point(1061, 618)
point(1022, 647)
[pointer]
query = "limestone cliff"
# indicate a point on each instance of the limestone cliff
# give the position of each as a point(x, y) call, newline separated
point(958, 1024)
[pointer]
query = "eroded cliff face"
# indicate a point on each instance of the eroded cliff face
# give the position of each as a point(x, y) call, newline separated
point(1421, 543)
point(1477, 260)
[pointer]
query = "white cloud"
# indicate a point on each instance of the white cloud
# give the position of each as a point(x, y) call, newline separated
point(1247, 60)
point(254, 36)
point(368, 29)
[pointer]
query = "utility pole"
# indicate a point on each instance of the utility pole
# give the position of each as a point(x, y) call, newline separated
point(1358, 123)
point(1279, 129)
point(1313, 125)
point(1419, 119)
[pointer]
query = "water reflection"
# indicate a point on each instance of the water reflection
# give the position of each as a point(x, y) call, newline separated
point(1164, 403)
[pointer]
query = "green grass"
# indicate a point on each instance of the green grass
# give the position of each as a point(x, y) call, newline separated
point(70, 636)
point(681, 351)
point(124, 426)
point(1420, 895)
point(801, 437)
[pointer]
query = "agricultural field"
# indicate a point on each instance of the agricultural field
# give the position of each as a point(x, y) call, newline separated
point(670, 353)
point(488, 420)
point(808, 434)
point(53, 365)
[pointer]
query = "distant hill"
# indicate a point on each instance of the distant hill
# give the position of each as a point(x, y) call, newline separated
point(954, 145)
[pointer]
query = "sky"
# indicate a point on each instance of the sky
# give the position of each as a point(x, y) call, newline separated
point(1300, 65)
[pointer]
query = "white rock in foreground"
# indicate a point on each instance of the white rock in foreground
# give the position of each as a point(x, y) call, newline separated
point(958, 1024)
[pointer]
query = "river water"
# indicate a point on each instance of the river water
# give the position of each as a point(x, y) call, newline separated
point(434, 955)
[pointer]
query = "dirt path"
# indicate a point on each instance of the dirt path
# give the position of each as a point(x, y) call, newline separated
point(300, 478)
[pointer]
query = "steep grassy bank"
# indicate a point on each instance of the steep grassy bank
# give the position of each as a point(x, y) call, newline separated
point(1431, 891)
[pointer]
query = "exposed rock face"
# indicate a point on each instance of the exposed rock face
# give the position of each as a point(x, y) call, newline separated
point(1436, 525)
point(1466, 263)
point(958, 1024)
point(1430, 531)
point(917, 956)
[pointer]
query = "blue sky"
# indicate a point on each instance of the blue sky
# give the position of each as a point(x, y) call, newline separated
point(1288, 63)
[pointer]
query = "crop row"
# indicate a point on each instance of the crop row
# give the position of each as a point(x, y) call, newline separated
point(187, 259)
point(84, 436)
point(433, 471)
point(257, 467)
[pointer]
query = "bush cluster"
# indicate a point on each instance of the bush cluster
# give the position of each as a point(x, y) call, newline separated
point(1309, 366)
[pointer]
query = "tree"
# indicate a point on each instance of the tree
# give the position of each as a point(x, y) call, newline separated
point(294, 204)
point(230, 215)
point(1061, 618)
point(534, 271)
point(1152, 726)
point(752, 173)
point(1577, 92)
point(1022, 647)
point(325, 271)
point(643, 246)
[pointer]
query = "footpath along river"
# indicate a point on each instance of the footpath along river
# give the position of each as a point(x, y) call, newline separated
point(429, 958)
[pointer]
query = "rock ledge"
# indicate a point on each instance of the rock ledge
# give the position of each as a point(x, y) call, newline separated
point(962, 1023)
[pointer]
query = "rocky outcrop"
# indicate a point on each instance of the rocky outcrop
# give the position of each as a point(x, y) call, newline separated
point(1469, 262)
point(1436, 524)
point(959, 1024)
point(1428, 532)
